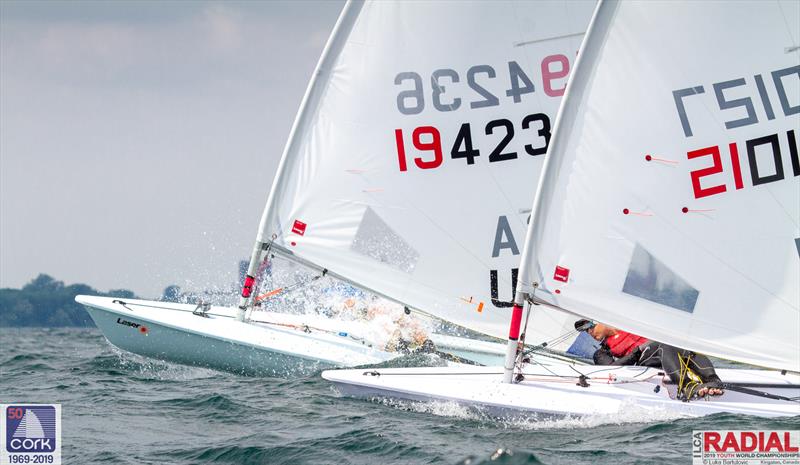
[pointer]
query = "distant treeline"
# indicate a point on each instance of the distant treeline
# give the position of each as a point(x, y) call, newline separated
point(45, 302)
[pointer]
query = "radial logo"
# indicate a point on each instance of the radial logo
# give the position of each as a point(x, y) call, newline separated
point(745, 447)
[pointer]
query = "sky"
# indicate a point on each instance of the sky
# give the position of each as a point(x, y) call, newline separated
point(139, 140)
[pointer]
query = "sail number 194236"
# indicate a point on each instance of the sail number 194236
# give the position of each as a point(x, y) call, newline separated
point(427, 140)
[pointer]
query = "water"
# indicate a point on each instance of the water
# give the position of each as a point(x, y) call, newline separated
point(119, 408)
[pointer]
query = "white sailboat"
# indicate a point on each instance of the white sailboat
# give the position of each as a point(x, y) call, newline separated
point(669, 206)
point(414, 151)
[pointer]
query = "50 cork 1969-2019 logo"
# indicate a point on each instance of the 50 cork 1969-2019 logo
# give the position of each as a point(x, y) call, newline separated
point(30, 433)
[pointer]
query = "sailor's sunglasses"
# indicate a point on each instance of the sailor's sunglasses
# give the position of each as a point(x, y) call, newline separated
point(588, 325)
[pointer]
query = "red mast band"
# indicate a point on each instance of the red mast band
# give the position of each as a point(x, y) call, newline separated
point(247, 289)
point(516, 320)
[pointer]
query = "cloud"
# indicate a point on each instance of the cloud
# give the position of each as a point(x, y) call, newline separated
point(204, 44)
point(225, 28)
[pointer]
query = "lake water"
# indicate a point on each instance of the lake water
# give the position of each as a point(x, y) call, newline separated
point(119, 408)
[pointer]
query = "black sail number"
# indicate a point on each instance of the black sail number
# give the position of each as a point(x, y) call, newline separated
point(497, 154)
point(544, 132)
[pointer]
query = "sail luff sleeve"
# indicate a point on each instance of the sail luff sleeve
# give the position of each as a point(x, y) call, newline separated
point(308, 106)
point(592, 42)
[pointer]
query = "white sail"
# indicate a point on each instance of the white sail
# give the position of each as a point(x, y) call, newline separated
point(670, 202)
point(413, 160)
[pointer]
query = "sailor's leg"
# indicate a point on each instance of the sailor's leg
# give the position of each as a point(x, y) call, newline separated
point(670, 362)
point(676, 363)
point(651, 355)
point(701, 365)
point(712, 385)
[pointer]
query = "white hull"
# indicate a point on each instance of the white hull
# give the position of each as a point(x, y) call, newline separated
point(552, 390)
point(273, 344)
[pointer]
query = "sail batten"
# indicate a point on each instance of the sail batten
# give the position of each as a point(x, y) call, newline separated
point(670, 202)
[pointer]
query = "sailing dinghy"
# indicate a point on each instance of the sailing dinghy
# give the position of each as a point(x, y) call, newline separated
point(669, 206)
point(414, 151)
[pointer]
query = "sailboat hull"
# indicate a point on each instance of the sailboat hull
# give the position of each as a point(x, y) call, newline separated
point(555, 391)
point(171, 332)
point(271, 344)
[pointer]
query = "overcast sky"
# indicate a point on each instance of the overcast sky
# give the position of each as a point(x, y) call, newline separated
point(138, 140)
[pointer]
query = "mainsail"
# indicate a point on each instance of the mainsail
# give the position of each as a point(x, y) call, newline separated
point(670, 201)
point(412, 163)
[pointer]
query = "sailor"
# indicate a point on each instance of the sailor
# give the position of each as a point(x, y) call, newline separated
point(619, 347)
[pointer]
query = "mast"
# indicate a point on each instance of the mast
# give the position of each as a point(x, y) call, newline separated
point(525, 282)
point(310, 100)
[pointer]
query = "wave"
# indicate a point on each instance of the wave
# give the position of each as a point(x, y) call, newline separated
point(119, 363)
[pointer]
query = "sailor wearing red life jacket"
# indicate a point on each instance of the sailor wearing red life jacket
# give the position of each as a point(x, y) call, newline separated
point(623, 348)
point(622, 343)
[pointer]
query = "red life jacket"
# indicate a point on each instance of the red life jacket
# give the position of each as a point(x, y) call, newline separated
point(623, 343)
